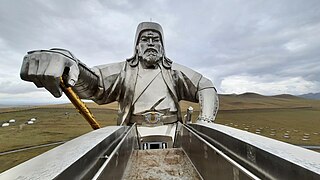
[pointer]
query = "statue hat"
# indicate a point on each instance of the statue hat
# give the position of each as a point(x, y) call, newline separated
point(144, 26)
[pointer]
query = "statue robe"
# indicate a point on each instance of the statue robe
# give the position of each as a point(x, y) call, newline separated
point(182, 83)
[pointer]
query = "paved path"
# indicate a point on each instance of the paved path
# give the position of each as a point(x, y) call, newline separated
point(160, 164)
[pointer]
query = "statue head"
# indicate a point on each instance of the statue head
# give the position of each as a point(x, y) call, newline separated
point(149, 46)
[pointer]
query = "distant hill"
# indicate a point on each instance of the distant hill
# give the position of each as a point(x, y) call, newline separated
point(250, 95)
point(244, 95)
point(256, 95)
point(247, 100)
point(251, 100)
point(286, 96)
point(311, 96)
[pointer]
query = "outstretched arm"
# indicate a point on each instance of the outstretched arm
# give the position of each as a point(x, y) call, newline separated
point(87, 86)
point(45, 67)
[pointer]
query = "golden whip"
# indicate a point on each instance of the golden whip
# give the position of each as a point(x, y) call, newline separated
point(81, 107)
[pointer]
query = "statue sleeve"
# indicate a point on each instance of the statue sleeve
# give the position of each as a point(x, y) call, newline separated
point(208, 100)
point(87, 84)
point(194, 87)
point(109, 85)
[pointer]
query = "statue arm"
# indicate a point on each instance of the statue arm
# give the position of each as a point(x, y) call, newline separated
point(88, 85)
point(194, 87)
point(101, 83)
point(208, 100)
point(109, 82)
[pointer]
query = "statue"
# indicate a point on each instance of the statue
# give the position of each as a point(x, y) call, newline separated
point(148, 86)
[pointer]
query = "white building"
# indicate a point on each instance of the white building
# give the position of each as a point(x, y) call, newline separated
point(5, 125)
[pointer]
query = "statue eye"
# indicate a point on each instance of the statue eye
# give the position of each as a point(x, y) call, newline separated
point(143, 39)
point(156, 40)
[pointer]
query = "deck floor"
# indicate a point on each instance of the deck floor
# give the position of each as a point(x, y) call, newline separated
point(160, 164)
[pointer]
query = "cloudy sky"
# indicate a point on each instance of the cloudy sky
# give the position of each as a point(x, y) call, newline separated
point(268, 47)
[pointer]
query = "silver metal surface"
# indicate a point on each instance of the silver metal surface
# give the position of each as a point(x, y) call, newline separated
point(209, 104)
point(210, 162)
point(127, 82)
point(162, 133)
point(188, 119)
point(45, 67)
point(76, 159)
point(264, 157)
point(116, 162)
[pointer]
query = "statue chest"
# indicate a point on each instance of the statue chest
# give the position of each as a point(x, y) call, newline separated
point(151, 92)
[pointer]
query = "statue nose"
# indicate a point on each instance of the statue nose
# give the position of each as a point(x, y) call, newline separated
point(150, 43)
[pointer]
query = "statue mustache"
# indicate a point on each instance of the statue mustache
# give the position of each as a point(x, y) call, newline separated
point(150, 49)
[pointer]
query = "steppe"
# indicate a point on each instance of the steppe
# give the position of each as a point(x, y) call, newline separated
point(284, 117)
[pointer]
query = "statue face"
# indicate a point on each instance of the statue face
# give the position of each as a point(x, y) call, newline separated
point(150, 48)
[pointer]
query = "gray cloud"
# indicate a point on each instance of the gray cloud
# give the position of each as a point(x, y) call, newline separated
point(272, 44)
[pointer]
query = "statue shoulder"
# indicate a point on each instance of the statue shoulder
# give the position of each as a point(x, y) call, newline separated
point(109, 69)
point(190, 73)
point(196, 78)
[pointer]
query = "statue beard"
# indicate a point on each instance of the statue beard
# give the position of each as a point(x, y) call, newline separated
point(150, 58)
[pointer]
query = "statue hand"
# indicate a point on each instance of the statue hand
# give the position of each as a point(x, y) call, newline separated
point(45, 67)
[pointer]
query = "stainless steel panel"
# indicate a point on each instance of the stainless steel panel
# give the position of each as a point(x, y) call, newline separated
point(265, 157)
point(210, 162)
point(76, 159)
point(116, 161)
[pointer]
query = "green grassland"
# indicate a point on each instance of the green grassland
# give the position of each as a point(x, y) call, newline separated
point(52, 125)
point(272, 117)
point(284, 117)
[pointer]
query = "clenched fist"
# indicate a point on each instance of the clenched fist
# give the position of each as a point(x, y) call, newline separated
point(45, 67)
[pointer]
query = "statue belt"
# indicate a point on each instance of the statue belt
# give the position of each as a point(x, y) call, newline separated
point(154, 118)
